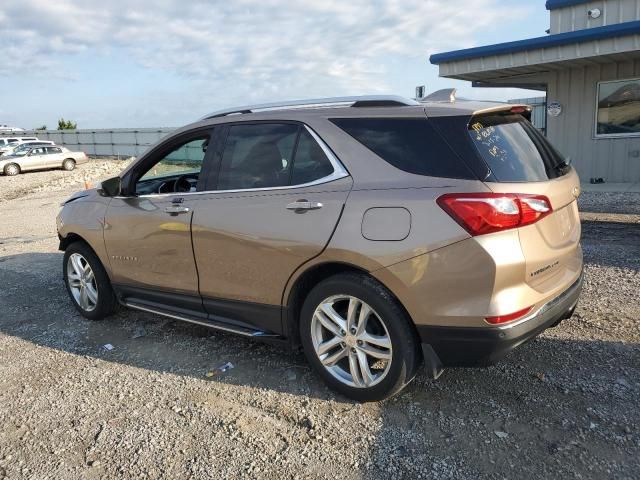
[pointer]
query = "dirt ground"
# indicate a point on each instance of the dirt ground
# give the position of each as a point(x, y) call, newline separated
point(566, 405)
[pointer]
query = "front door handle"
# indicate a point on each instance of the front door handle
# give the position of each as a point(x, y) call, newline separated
point(176, 209)
point(304, 205)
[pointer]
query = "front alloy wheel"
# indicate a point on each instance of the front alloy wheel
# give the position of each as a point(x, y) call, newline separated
point(82, 282)
point(351, 341)
point(87, 282)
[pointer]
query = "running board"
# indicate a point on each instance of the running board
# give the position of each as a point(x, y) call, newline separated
point(245, 332)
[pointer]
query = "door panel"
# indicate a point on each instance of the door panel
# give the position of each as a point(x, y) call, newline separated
point(147, 233)
point(54, 159)
point(247, 244)
point(149, 247)
point(35, 160)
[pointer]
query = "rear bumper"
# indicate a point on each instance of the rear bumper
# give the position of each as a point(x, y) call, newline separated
point(469, 346)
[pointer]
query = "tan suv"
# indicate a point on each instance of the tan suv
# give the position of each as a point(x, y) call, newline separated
point(378, 233)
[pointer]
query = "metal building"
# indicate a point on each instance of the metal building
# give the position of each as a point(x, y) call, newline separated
point(589, 67)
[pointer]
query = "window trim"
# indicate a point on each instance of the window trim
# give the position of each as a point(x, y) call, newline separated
point(339, 171)
point(603, 136)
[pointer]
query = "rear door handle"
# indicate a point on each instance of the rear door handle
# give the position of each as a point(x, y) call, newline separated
point(176, 209)
point(304, 205)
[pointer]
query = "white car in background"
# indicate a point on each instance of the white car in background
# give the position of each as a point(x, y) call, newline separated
point(41, 158)
point(9, 142)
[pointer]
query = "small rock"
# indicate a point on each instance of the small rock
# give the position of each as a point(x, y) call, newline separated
point(308, 422)
point(623, 382)
point(501, 434)
point(139, 332)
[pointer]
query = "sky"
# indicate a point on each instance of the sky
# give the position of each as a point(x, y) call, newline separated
point(166, 63)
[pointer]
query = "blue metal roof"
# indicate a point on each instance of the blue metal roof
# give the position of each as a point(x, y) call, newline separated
point(553, 4)
point(578, 36)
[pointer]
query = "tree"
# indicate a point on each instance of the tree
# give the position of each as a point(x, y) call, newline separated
point(66, 124)
point(43, 127)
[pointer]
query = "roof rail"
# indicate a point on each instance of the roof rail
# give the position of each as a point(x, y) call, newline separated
point(358, 101)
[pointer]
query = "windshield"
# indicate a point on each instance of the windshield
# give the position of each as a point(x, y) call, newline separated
point(514, 150)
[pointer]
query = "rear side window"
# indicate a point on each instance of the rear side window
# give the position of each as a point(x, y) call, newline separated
point(410, 144)
point(514, 150)
point(257, 156)
point(269, 155)
point(310, 162)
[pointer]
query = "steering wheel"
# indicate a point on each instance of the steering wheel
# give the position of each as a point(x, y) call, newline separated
point(182, 183)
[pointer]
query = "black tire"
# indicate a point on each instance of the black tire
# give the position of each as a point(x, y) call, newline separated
point(11, 169)
point(107, 302)
point(406, 355)
point(68, 164)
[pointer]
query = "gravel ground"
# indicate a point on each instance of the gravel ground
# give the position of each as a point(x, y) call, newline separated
point(610, 202)
point(566, 405)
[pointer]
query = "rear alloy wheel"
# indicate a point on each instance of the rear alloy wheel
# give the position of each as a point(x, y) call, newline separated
point(358, 337)
point(69, 164)
point(87, 282)
point(351, 341)
point(11, 169)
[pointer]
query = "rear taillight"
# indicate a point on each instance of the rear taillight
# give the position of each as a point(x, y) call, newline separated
point(509, 317)
point(481, 213)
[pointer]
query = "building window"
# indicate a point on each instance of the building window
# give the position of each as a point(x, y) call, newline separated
point(618, 108)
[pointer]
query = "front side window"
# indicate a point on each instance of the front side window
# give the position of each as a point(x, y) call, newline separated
point(175, 171)
point(186, 159)
point(618, 108)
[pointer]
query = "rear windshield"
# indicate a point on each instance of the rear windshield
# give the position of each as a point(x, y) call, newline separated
point(514, 150)
point(410, 144)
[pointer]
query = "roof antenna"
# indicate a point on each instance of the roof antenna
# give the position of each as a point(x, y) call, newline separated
point(421, 90)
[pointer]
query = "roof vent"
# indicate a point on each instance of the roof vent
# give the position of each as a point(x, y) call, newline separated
point(446, 95)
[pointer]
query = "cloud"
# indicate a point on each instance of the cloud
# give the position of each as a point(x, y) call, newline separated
point(269, 47)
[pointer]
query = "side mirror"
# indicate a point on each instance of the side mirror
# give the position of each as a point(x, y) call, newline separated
point(109, 188)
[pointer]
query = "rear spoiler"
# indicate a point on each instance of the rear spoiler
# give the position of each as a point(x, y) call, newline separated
point(521, 109)
point(448, 95)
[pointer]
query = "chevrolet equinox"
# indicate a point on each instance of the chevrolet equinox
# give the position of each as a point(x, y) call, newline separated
point(378, 233)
